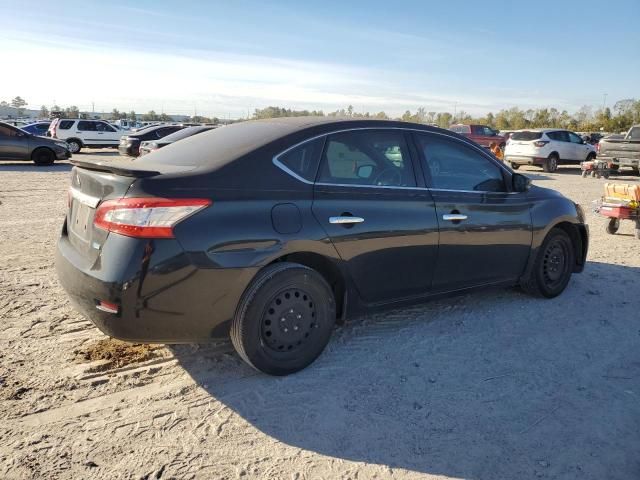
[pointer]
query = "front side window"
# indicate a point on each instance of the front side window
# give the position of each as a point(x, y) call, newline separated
point(573, 138)
point(104, 127)
point(488, 132)
point(454, 166)
point(87, 126)
point(367, 157)
point(303, 160)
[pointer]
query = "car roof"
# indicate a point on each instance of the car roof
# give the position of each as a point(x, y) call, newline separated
point(543, 130)
point(226, 144)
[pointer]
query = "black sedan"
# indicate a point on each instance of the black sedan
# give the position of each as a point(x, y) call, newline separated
point(130, 144)
point(16, 144)
point(149, 146)
point(273, 230)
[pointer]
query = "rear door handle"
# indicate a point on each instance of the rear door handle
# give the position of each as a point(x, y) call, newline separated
point(454, 217)
point(345, 220)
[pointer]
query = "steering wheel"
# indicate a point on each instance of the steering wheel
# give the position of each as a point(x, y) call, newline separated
point(390, 174)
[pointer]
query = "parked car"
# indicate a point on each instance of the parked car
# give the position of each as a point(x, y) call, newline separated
point(481, 134)
point(79, 133)
point(548, 148)
point(16, 144)
point(273, 230)
point(622, 151)
point(149, 146)
point(130, 144)
point(37, 128)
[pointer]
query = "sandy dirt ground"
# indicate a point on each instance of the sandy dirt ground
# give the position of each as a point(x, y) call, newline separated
point(490, 385)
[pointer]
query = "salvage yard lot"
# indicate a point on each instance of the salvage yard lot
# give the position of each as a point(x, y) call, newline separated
point(493, 384)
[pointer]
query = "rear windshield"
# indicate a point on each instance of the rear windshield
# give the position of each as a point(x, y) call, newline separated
point(184, 133)
point(526, 136)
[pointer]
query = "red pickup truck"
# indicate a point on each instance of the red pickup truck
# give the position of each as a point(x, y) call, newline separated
point(481, 134)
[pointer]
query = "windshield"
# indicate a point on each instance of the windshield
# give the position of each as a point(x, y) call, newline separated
point(526, 136)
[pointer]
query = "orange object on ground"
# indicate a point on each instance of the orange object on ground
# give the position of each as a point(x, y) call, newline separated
point(622, 191)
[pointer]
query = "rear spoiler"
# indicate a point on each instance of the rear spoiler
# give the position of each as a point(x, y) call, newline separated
point(128, 168)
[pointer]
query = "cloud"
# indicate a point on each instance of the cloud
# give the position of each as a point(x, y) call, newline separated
point(214, 83)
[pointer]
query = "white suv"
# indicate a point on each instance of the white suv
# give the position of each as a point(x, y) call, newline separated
point(80, 133)
point(546, 147)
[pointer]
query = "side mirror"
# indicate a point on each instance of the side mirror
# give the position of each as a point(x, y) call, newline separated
point(364, 171)
point(520, 182)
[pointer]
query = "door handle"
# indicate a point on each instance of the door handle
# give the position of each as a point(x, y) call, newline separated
point(454, 217)
point(345, 220)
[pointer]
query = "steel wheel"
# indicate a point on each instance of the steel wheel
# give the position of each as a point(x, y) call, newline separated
point(554, 264)
point(289, 321)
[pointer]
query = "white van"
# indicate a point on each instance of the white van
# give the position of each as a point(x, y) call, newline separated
point(80, 133)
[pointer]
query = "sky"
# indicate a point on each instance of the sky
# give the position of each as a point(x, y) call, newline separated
point(228, 58)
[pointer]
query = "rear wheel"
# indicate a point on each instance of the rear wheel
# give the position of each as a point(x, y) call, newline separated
point(550, 165)
point(75, 145)
point(284, 319)
point(515, 166)
point(635, 170)
point(553, 266)
point(613, 225)
point(43, 156)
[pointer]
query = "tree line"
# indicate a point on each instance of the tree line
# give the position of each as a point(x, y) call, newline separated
point(625, 113)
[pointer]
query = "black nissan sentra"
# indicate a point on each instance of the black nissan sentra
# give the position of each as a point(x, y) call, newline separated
point(273, 230)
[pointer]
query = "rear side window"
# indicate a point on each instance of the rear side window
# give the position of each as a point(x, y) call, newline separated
point(65, 124)
point(558, 136)
point(87, 126)
point(369, 157)
point(303, 160)
point(526, 136)
point(6, 131)
point(454, 166)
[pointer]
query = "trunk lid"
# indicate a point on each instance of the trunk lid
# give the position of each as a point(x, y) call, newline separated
point(91, 184)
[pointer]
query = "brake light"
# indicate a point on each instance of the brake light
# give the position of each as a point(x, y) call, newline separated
point(146, 217)
point(540, 143)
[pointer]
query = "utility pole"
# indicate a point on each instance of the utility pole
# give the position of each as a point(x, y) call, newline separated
point(604, 101)
point(455, 111)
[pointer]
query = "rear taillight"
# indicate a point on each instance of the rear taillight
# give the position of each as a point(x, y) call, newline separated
point(598, 147)
point(540, 143)
point(146, 217)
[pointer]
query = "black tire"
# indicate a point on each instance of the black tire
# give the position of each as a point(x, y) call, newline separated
point(43, 156)
point(75, 145)
point(550, 165)
point(553, 266)
point(284, 319)
point(613, 225)
point(591, 157)
point(635, 171)
point(515, 166)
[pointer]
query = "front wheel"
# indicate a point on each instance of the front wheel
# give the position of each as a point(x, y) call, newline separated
point(284, 319)
point(515, 166)
point(553, 266)
point(43, 156)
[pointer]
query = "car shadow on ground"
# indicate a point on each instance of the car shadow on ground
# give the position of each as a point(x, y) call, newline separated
point(29, 166)
point(493, 384)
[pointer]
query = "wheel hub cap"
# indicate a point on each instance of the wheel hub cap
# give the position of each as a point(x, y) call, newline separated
point(554, 263)
point(289, 320)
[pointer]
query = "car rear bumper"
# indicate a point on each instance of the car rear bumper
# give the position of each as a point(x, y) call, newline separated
point(161, 296)
point(524, 159)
